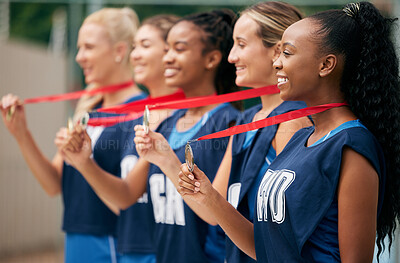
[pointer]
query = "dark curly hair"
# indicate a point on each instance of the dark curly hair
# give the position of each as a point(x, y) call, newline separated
point(217, 26)
point(370, 83)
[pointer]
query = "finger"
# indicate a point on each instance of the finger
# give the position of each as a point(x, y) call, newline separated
point(199, 174)
point(86, 136)
point(183, 191)
point(78, 137)
point(139, 139)
point(189, 178)
point(186, 175)
point(193, 186)
point(141, 133)
point(138, 128)
point(76, 145)
point(67, 147)
point(185, 170)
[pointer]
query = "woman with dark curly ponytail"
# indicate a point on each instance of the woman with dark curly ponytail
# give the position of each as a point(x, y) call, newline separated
point(336, 184)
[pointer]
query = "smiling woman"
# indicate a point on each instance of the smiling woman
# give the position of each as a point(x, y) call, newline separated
point(104, 44)
point(331, 207)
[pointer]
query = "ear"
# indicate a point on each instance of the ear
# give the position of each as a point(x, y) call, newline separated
point(277, 51)
point(328, 64)
point(121, 49)
point(212, 59)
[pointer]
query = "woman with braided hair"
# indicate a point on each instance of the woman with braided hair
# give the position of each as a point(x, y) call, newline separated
point(336, 184)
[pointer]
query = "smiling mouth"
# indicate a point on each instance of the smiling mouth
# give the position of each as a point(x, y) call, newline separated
point(282, 81)
point(239, 68)
point(170, 72)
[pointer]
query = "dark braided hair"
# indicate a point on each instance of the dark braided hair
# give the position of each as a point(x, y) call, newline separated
point(217, 26)
point(370, 83)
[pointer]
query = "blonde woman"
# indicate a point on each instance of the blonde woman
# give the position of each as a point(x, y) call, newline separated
point(104, 43)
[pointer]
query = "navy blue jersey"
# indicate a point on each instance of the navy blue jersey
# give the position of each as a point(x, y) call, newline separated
point(296, 210)
point(247, 160)
point(84, 212)
point(180, 235)
point(135, 223)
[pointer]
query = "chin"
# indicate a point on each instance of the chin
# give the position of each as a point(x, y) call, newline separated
point(139, 80)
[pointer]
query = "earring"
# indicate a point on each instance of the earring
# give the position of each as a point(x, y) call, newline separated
point(118, 59)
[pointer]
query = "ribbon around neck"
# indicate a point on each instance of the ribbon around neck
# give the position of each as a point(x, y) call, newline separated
point(136, 108)
point(270, 121)
point(80, 93)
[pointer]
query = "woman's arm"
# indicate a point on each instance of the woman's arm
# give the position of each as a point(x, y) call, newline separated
point(196, 187)
point(358, 201)
point(119, 192)
point(155, 149)
point(47, 172)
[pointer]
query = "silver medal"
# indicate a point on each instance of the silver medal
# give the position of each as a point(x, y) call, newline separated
point(189, 157)
point(84, 120)
point(146, 120)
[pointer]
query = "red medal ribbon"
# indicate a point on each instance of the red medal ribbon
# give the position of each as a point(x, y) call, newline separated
point(110, 121)
point(215, 99)
point(176, 101)
point(138, 106)
point(80, 93)
point(270, 121)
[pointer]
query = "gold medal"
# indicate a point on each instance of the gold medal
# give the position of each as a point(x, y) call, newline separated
point(84, 120)
point(10, 113)
point(189, 157)
point(70, 125)
point(146, 120)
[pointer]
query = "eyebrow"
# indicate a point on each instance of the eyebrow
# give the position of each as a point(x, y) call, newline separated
point(180, 42)
point(288, 44)
point(240, 38)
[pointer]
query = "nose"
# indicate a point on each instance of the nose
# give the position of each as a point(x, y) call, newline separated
point(168, 58)
point(135, 54)
point(278, 63)
point(233, 58)
point(79, 56)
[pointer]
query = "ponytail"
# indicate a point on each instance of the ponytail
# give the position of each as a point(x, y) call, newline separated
point(370, 83)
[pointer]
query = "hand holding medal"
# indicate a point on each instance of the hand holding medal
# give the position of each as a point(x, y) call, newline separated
point(189, 158)
point(146, 115)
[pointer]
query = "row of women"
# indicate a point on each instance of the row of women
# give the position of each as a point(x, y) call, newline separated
point(322, 188)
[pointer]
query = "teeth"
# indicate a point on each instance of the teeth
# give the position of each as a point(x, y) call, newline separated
point(170, 72)
point(282, 80)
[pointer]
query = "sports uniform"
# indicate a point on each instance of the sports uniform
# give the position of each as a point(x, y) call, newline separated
point(252, 153)
point(89, 225)
point(180, 235)
point(135, 243)
point(297, 208)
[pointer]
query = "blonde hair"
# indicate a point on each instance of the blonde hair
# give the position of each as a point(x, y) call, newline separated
point(121, 24)
point(272, 18)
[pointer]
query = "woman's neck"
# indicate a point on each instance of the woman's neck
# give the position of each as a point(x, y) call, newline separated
point(200, 90)
point(327, 121)
point(269, 103)
point(159, 88)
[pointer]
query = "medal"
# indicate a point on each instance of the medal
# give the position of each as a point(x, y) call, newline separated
point(83, 121)
point(10, 113)
point(189, 157)
point(70, 125)
point(146, 114)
